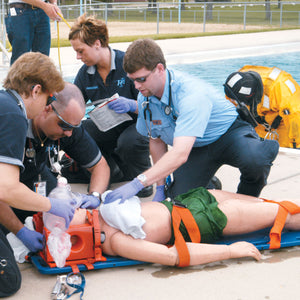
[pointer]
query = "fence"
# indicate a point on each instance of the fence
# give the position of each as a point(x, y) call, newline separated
point(246, 14)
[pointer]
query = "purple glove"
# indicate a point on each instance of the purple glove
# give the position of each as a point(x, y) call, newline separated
point(63, 208)
point(124, 192)
point(160, 193)
point(33, 240)
point(89, 201)
point(123, 105)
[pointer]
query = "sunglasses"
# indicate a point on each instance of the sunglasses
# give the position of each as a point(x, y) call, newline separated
point(142, 79)
point(64, 125)
point(50, 99)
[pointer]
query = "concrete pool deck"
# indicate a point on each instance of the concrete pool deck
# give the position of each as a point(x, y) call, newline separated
point(275, 277)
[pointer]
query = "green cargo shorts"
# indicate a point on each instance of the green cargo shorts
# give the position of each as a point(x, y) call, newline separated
point(204, 208)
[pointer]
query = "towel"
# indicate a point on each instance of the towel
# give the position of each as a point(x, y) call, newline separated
point(125, 216)
point(20, 250)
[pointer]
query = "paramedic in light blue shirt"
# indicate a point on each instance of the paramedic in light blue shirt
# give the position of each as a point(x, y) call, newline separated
point(204, 131)
point(207, 117)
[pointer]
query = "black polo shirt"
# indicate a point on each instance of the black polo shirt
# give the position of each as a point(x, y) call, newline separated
point(80, 146)
point(13, 128)
point(93, 88)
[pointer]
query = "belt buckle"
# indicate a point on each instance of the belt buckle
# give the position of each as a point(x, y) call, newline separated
point(178, 204)
point(33, 7)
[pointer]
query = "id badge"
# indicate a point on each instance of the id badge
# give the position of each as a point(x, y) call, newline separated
point(40, 187)
point(12, 11)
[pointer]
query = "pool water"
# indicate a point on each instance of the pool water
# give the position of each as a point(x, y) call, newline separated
point(216, 72)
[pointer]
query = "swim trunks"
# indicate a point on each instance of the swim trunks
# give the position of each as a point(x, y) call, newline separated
point(204, 208)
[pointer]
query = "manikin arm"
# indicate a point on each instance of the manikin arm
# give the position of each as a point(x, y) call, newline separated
point(126, 246)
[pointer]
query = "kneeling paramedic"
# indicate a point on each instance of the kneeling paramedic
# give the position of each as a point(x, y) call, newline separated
point(202, 127)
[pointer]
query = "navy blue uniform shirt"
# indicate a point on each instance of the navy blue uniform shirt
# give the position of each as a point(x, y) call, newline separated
point(80, 146)
point(13, 129)
point(93, 88)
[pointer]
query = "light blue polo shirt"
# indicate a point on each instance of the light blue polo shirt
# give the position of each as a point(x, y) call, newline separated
point(198, 109)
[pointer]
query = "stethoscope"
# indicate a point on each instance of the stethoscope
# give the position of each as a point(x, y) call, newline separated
point(168, 109)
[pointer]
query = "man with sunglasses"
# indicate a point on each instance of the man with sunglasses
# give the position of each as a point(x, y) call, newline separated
point(29, 82)
point(201, 127)
point(58, 127)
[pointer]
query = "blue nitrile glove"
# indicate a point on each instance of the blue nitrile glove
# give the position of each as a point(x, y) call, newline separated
point(160, 193)
point(89, 201)
point(63, 208)
point(32, 239)
point(124, 192)
point(123, 105)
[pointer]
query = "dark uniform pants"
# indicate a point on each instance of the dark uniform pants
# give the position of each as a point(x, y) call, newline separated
point(10, 276)
point(123, 147)
point(239, 147)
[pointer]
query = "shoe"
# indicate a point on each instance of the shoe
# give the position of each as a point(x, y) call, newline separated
point(145, 192)
point(214, 184)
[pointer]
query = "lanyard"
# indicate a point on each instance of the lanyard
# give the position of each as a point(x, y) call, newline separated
point(79, 287)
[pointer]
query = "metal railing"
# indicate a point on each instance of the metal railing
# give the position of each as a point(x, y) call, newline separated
point(246, 14)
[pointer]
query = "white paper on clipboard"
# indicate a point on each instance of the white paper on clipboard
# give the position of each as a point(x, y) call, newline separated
point(105, 118)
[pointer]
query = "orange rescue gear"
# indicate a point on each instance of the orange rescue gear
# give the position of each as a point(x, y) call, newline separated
point(85, 238)
point(280, 103)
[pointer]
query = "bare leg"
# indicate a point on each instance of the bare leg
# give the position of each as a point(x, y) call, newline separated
point(247, 214)
point(221, 196)
point(244, 216)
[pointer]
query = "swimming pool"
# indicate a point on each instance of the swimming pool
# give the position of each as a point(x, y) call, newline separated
point(216, 71)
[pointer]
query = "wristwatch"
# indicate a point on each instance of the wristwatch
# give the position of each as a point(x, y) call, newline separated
point(96, 194)
point(143, 179)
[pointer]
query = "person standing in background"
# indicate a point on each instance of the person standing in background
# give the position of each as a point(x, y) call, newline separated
point(28, 25)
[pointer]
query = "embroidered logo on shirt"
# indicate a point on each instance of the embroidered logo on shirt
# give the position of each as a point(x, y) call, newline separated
point(156, 122)
point(121, 82)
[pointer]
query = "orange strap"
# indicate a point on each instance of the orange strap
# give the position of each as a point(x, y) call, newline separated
point(97, 235)
point(178, 214)
point(285, 207)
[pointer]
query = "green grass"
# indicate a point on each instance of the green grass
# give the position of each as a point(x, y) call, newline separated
point(131, 38)
point(223, 13)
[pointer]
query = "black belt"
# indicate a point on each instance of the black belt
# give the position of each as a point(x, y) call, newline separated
point(22, 5)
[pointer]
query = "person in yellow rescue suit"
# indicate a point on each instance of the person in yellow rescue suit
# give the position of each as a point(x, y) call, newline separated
point(272, 98)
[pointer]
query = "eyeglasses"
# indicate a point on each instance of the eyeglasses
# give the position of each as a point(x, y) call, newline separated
point(142, 79)
point(64, 125)
point(50, 99)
